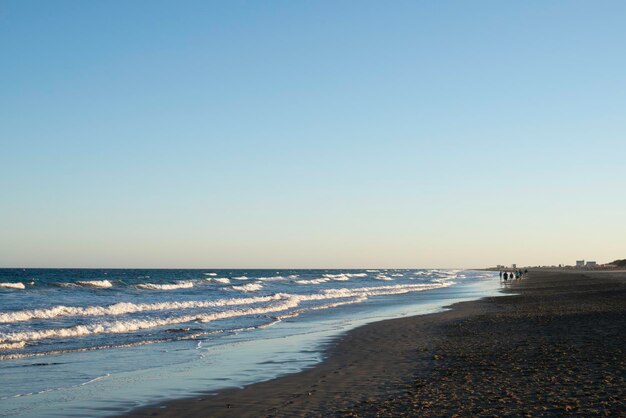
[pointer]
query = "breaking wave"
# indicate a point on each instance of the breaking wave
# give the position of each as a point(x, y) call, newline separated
point(283, 303)
point(222, 280)
point(250, 287)
point(154, 286)
point(100, 284)
point(273, 278)
point(312, 281)
point(118, 327)
point(124, 308)
point(342, 277)
point(9, 285)
point(12, 345)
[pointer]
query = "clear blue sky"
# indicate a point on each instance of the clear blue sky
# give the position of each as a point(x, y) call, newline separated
point(311, 134)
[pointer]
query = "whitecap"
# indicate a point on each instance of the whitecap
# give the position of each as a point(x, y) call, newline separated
point(342, 277)
point(312, 281)
point(249, 287)
point(9, 285)
point(101, 284)
point(272, 278)
point(119, 327)
point(222, 280)
point(12, 345)
point(174, 286)
point(123, 308)
point(283, 302)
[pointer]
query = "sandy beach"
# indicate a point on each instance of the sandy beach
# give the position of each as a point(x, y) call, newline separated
point(553, 345)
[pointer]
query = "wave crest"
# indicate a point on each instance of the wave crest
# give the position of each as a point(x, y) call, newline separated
point(222, 280)
point(9, 285)
point(100, 284)
point(174, 286)
point(276, 303)
point(250, 287)
point(123, 308)
point(312, 281)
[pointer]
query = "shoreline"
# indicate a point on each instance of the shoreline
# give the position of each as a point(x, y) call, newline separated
point(446, 362)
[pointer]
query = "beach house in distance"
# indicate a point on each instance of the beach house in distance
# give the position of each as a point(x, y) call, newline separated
point(613, 265)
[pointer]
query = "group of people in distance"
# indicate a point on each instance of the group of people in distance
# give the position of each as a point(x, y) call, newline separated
point(518, 274)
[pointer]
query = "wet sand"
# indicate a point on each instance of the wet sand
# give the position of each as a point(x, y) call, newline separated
point(555, 346)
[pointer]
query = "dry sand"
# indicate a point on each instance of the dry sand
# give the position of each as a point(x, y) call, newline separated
point(556, 348)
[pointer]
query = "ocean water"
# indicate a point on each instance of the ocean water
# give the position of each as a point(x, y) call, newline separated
point(97, 342)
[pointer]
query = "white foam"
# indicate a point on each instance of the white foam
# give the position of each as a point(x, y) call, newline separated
point(154, 286)
point(12, 346)
point(13, 285)
point(241, 278)
point(96, 379)
point(337, 277)
point(119, 327)
point(250, 287)
point(382, 277)
point(14, 356)
point(279, 303)
point(222, 280)
point(342, 277)
point(101, 284)
point(383, 290)
point(312, 281)
point(210, 274)
point(272, 278)
point(444, 273)
point(123, 308)
point(321, 307)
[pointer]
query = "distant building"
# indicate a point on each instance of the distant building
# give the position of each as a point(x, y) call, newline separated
point(580, 263)
point(513, 266)
point(500, 266)
point(591, 264)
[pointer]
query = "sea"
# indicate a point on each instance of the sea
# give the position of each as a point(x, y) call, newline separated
point(100, 342)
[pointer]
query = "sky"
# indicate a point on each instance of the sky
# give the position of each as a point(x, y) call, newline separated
point(311, 134)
